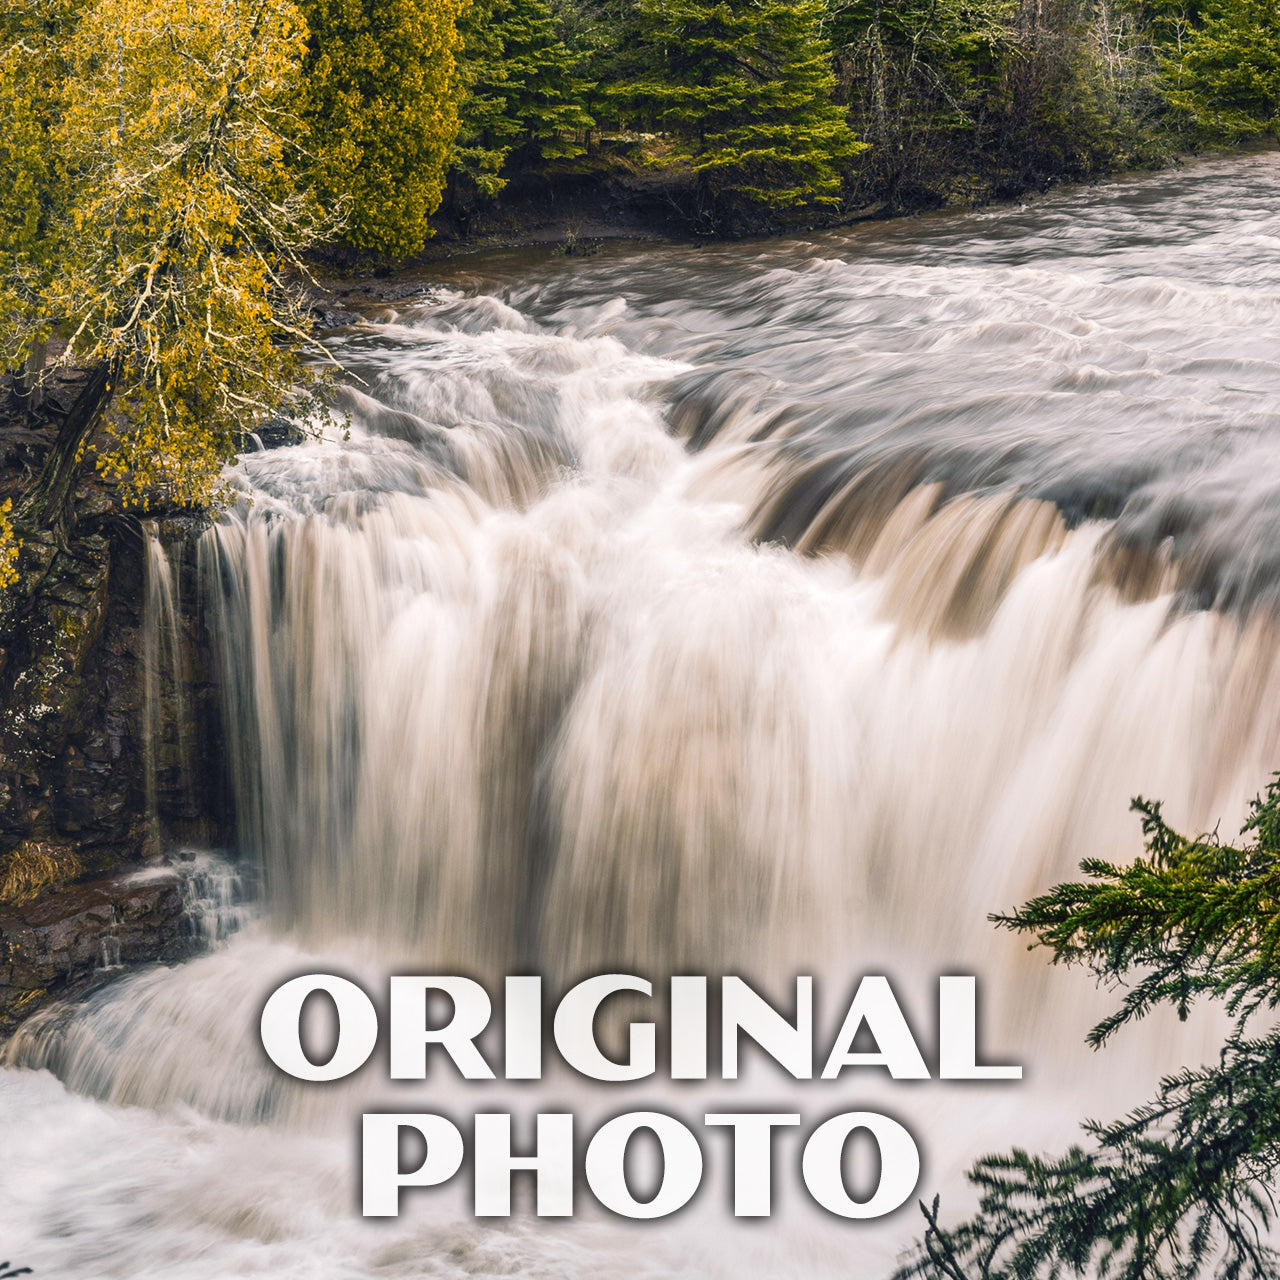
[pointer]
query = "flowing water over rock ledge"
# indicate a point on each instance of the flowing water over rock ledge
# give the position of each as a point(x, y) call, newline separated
point(55, 946)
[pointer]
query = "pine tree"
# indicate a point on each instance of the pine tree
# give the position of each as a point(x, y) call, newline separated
point(380, 109)
point(1182, 1187)
point(745, 86)
point(524, 101)
point(1227, 79)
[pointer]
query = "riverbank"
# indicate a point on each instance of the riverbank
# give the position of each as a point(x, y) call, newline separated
point(577, 211)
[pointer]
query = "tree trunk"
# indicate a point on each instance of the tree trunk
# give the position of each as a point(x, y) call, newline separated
point(878, 96)
point(31, 382)
point(45, 505)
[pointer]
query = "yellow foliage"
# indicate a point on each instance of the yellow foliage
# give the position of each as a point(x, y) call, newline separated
point(152, 213)
point(181, 229)
point(34, 866)
point(32, 73)
point(187, 214)
point(380, 107)
point(8, 547)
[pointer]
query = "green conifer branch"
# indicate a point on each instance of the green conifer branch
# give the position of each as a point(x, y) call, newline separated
point(1180, 1188)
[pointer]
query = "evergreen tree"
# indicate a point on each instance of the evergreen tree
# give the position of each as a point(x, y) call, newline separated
point(380, 110)
point(1182, 1187)
point(745, 86)
point(605, 37)
point(917, 77)
point(524, 100)
point(1227, 80)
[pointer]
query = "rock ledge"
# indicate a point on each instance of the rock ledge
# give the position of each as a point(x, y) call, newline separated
point(52, 947)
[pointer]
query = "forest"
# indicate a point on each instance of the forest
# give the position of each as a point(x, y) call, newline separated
point(171, 166)
point(795, 108)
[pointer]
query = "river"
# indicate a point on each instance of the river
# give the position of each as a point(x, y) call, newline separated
point(762, 608)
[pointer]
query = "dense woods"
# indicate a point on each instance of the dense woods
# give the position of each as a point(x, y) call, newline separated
point(169, 166)
point(898, 104)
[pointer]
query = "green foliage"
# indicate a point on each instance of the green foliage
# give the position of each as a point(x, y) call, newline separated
point(1227, 80)
point(1006, 92)
point(1084, 77)
point(1195, 918)
point(1182, 1186)
point(919, 79)
point(955, 98)
point(745, 86)
point(523, 92)
point(927, 57)
point(604, 36)
point(379, 105)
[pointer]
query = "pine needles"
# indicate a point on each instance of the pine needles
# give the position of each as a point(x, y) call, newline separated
point(1181, 1188)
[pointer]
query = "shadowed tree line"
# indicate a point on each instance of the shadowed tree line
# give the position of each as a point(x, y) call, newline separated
point(771, 105)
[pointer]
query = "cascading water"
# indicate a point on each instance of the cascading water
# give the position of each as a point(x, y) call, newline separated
point(163, 673)
point(750, 610)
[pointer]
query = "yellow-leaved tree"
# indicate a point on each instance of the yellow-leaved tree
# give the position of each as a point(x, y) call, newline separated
point(32, 69)
point(32, 72)
point(171, 254)
point(380, 105)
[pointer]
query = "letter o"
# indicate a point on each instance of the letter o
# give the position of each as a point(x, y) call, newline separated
point(357, 1027)
point(824, 1154)
point(681, 1165)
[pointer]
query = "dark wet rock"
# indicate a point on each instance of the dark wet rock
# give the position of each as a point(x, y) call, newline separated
point(337, 318)
point(278, 433)
point(96, 775)
point(55, 946)
point(72, 716)
point(73, 720)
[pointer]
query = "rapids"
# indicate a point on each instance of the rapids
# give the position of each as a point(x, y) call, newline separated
point(757, 608)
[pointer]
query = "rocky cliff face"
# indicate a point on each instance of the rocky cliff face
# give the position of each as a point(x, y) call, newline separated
point(109, 735)
point(90, 757)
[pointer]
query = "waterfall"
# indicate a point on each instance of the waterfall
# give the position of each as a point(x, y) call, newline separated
point(167, 722)
point(763, 610)
point(589, 722)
